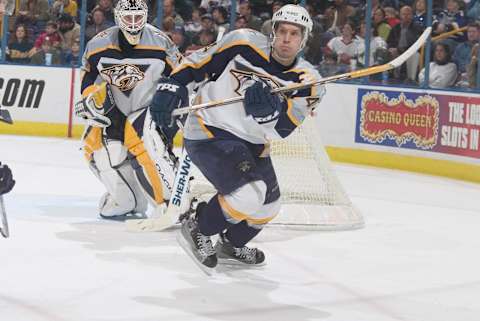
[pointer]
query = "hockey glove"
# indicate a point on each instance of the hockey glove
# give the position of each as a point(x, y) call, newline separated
point(94, 107)
point(170, 95)
point(262, 105)
point(6, 179)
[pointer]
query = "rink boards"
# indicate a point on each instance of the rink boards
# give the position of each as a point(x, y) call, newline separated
point(429, 131)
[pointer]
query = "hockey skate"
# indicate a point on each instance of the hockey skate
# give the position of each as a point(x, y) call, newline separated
point(229, 254)
point(198, 246)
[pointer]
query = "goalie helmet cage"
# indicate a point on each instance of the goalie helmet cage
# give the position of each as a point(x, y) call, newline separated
point(311, 194)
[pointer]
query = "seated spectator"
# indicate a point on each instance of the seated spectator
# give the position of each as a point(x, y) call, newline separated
point(168, 24)
point(207, 22)
point(180, 39)
point(99, 23)
point(346, 47)
point(51, 33)
point(73, 57)
point(209, 5)
point(245, 9)
point(169, 11)
point(47, 55)
point(443, 72)
point(472, 68)
point(240, 22)
point(220, 16)
point(60, 7)
point(420, 14)
point(205, 38)
point(450, 19)
point(378, 47)
point(107, 7)
point(194, 26)
point(328, 66)
point(69, 30)
point(401, 37)
point(341, 12)
point(391, 16)
point(267, 25)
point(33, 14)
point(463, 51)
point(20, 49)
point(380, 24)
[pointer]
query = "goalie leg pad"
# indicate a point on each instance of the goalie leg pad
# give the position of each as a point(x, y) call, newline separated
point(110, 165)
point(147, 153)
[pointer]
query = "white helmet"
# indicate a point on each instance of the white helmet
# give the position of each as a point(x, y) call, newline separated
point(131, 17)
point(295, 14)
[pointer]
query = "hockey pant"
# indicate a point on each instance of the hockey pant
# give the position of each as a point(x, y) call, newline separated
point(130, 158)
point(248, 192)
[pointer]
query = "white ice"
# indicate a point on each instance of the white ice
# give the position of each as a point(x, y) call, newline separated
point(416, 259)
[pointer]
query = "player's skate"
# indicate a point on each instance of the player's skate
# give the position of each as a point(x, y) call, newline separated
point(229, 254)
point(197, 245)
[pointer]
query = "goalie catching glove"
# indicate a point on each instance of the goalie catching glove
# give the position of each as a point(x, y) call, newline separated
point(94, 107)
point(261, 104)
point(169, 96)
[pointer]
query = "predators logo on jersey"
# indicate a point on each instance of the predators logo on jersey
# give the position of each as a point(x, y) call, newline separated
point(124, 76)
point(247, 78)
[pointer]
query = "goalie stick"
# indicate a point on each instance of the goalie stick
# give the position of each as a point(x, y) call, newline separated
point(4, 227)
point(397, 62)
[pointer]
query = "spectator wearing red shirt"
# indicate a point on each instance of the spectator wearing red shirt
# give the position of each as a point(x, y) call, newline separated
point(50, 32)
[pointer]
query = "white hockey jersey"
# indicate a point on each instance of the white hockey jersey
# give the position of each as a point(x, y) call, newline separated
point(133, 75)
point(225, 69)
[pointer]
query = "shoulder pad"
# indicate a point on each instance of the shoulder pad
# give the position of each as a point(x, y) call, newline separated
point(252, 37)
point(155, 37)
point(105, 38)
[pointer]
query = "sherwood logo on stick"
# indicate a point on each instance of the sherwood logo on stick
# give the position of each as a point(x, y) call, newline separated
point(21, 92)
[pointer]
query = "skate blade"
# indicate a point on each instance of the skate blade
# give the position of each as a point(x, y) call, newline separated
point(238, 264)
point(186, 247)
point(124, 217)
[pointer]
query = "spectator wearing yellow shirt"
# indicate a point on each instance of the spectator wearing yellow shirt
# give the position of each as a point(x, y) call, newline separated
point(64, 6)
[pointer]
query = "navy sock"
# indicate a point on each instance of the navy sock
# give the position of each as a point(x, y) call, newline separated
point(210, 217)
point(241, 233)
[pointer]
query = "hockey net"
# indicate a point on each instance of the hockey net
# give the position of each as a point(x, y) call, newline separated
point(311, 194)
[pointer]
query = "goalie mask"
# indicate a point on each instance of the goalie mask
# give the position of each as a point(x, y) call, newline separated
point(131, 17)
point(296, 15)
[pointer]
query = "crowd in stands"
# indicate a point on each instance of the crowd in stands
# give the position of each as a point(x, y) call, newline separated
point(48, 32)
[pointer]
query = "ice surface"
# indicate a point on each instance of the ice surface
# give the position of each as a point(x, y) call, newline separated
point(417, 259)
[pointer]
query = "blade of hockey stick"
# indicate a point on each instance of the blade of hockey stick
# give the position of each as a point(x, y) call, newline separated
point(5, 116)
point(176, 206)
point(4, 228)
point(397, 62)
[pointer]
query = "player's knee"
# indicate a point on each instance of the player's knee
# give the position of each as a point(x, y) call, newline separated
point(248, 198)
point(111, 156)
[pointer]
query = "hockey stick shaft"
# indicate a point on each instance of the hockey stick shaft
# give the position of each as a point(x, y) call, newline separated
point(395, 63)
point(4, 228)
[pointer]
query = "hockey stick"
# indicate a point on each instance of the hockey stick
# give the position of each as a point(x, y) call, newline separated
point(176, 206)
point(395, 63)
point(4, 228)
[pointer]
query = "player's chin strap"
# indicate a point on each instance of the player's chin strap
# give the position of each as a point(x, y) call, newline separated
point(395, 63)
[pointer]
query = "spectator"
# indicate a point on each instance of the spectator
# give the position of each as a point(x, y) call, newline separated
point(107, 7)
point(73, 58)
point(267, 25)
point(20, 49)
point(420, 16)
point(51, 33)
point(245, 10)
point(168, 24)
point(378, 47)
point(169, 11)
point(346, 47)
point(64, 6)
point(472, 68)
point(451, 18)
point(207, 22)
point(48, 54)
point(380, 24)
point(220, 16)
point(401, 37)
point(33, 14)
point(206, 37)
point(341, 12)
point(68, 29)
point(209, 5)
point(194, 26)
point(328, 66)
point(463, 51)
point(240, 22)
point(391, 16)
point(180, 39)
point(99, 24)
point(443, 72)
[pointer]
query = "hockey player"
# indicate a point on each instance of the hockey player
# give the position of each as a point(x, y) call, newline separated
point(6, 181)
point(229, 144)
point(124, 148)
